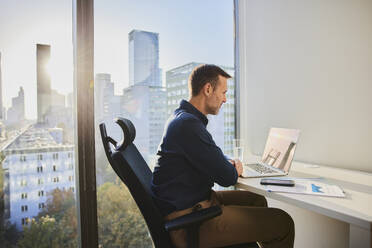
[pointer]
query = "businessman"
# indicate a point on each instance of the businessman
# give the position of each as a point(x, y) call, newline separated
point(189, 164)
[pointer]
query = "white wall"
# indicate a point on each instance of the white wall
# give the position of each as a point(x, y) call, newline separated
point(308, 65)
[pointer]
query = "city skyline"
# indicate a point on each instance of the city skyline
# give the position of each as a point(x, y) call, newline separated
point(180, 43)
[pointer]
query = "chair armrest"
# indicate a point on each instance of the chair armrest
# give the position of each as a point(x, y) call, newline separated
point(193, 218)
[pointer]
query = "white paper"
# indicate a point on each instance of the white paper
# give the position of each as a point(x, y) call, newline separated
point(309, 187)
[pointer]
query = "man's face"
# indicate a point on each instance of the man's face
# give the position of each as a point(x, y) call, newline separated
point(217, 96)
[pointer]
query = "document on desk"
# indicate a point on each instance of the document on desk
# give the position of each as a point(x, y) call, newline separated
point(309, 187)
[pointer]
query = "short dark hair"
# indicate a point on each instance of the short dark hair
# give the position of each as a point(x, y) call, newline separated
point(203, 74)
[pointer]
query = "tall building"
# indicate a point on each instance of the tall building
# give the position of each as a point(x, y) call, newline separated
point(177, 85)
point(35, 163)
point(221, 126)
point(44, 90)
point(146, 107)
point(144, 58)
point(1, 92)
point(107, 104)
point(16, 112)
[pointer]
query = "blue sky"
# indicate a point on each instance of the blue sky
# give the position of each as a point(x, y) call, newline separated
point(200, 31)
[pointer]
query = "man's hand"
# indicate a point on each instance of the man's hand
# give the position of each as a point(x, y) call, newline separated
point(238, 166)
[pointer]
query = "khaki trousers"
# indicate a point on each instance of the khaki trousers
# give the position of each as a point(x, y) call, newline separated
point(245, 218)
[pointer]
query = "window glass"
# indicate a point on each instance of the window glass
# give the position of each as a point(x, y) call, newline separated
point(37, 200)
point(144, 53)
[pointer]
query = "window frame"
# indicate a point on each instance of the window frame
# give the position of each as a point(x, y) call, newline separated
point(83, 46)
point(237, 69)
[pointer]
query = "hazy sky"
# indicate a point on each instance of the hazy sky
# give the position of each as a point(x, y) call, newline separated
point(200, 31)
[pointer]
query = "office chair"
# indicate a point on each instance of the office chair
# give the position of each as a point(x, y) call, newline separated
point(132, 169)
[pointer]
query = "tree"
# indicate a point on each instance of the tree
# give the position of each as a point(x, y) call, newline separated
point(43, 233)
point(56, 226)
point(120, 224)
point(58, 203)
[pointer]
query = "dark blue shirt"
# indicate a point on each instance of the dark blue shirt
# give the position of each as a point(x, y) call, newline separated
point(189, 162)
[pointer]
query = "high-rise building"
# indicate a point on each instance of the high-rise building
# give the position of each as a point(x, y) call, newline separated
point(177, 85)
point(16, 112)
point(221, 126)
point(1, 93)
point(146, 107)
point(107, 104)
point(35, 163)
point(43, 80)
point(144, 58)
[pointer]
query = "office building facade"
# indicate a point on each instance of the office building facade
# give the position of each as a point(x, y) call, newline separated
point(146, 107)
point(35, 163)
point(144, 58)
point(107, 105)
point(44, 90)
point(16, 113)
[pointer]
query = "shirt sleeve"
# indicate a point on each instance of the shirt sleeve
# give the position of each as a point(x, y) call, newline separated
point(203, 153)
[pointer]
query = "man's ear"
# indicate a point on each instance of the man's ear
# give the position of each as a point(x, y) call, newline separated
point(207, 89)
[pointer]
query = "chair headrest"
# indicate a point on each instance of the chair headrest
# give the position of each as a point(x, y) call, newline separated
point(129, 133)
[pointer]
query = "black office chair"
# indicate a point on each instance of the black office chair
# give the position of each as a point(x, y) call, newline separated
point(132, 169)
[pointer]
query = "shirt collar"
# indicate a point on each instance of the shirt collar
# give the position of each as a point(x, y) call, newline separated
point(188, 107)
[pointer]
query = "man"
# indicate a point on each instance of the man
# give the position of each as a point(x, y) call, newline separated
point(190, 163)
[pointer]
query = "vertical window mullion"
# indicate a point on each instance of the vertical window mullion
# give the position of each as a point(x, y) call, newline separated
point(237, 69)
point(83, 84)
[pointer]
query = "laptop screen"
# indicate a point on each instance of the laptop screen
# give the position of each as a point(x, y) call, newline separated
point(280, 147)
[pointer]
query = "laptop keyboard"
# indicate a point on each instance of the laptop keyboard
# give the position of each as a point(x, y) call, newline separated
point(261, 169)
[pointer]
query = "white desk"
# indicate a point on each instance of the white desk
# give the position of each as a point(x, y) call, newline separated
point(355, 209)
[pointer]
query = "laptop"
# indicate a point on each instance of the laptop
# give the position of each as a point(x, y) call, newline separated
point(278, 154)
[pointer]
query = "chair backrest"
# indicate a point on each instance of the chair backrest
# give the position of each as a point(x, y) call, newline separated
point(132, 169)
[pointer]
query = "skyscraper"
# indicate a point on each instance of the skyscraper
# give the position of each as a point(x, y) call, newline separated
point(16, 112)
point(144, 58)
point(43, 80)
point(107, 104)
point(1, 93)
point(146, 107)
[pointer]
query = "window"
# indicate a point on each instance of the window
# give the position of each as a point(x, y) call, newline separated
point(55, 156)
point(54, 167)
point(70, 178)
point(24, 208)
point(150, 82)
point(56, 179)
point(25, 221)
point(53, 132)
point(24, 196)
point(40, 169)
point(41, 205)
point(41, 193)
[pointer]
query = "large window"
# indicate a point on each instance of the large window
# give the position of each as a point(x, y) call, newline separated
point(37, 158)
point(144, 53)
